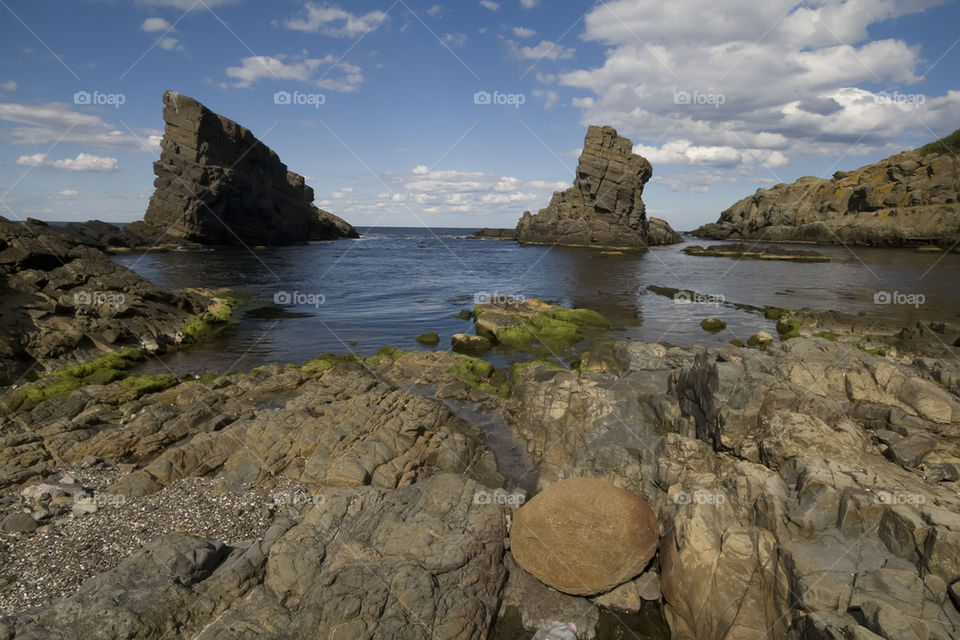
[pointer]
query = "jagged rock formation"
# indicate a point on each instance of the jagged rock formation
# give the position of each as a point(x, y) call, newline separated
point(604, 207)
point(912, 197)
point(217, 184)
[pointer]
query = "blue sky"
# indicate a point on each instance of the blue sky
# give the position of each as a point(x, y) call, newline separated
point(723, 98)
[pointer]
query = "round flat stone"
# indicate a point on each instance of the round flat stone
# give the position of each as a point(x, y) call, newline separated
point(584, 536)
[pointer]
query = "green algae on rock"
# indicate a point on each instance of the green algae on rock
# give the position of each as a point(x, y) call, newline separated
point(522, 324)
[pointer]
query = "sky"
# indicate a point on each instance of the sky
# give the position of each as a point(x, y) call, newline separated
point(467, 113)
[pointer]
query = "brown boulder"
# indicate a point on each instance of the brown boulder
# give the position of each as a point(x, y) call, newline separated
point(584, 536)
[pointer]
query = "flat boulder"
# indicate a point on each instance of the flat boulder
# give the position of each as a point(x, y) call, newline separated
point(584, 536)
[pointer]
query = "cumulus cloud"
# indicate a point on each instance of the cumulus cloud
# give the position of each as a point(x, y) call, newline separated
point(37, 124)
point(301, 68)
point(169, 44)
point(154, 24)
point(523, 32)
point(529, 4)
point(9, 85)
point(489, 4)
point(333, 21)
point(83, 162)
point(545, 50)
point(454, 40)
point(436, 11)
point(756, 84)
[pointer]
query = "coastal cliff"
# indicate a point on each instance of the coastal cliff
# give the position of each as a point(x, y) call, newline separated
point(218, 184)
point(604, 207)
point(909, 198)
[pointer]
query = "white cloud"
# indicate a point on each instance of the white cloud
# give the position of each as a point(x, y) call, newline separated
point(9, 85)
point(523, 32)
point(436, 11)
point(83, 162)
point(529, 4)
point(154, 24)
point(67, 193)
point(550, 98)
point(300, 68)
point(454, 40)
point(342, 193)
point(489, 4)
point(169, 44)
point(545, 50)
point(185, 4)
point(756, 84)
point(56, 121)
point(331, 20)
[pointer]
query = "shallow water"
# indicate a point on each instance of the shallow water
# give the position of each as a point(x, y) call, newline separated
point(396, 283)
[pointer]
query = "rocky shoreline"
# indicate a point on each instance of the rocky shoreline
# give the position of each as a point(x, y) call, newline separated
point(804, 488)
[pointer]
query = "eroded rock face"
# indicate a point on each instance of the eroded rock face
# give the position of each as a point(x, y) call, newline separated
point(584, 536)
point(604, 207)
point(907, 198)
point(217, 184)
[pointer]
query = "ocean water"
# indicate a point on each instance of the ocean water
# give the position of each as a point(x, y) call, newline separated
point(395, 283)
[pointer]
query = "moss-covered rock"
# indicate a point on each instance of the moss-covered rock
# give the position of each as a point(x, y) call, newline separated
point(469, 343)
point(480, 374)
point(429, 338)
point(219, 313)
point(525, 323)
point(713, 325)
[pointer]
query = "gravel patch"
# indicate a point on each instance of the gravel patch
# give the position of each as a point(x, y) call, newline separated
point(68, 547)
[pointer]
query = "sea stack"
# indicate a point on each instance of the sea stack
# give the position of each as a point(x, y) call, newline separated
point(603, 208)
point(217, 184)
point(909, 198)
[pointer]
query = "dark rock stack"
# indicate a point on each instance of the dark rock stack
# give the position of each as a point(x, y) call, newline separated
point(217, 184)
point(909, 198)
point(604, 207)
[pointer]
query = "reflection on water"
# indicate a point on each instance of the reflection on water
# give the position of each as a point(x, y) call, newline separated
point(396, 283)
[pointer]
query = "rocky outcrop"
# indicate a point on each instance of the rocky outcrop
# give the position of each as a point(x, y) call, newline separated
point(217, 184)
point(604, 207)
point(64, 302)
point(909, 198)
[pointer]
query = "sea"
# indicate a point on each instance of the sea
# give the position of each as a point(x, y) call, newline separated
point(395, 283)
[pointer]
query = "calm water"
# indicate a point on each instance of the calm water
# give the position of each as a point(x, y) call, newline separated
point(396, 283)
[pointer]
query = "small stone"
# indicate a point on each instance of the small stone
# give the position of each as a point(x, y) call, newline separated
point(429, 338)
point(713, 325)
point(84, 507)
point(469, 343)
point(19, 522)
point(89, 461)
point(760, 339)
